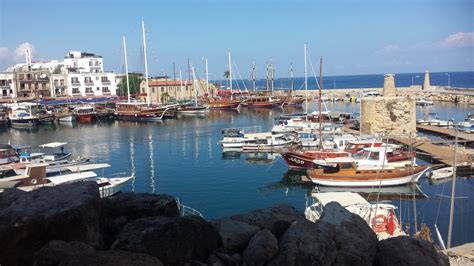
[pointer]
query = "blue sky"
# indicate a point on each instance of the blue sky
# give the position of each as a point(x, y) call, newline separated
point(354, 37)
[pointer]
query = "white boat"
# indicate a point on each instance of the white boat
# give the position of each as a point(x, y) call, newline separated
point(423, 102)
point(56, 156)
point(67, 118)
point(21, 115)
point(7, 154)
point(269, 143)
point(441, 173)
point(432, 120)
point(467, 125)
point(380, 217)
point(109, 186)
point(236, 137)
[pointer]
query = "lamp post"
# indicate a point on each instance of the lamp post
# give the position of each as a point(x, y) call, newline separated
point(449, 79)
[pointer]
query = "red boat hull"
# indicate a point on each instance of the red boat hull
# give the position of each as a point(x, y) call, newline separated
point(87, 118)
point(305, 160)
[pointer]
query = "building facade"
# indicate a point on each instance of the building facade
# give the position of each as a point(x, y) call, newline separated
point(32, 82)
point(83, 62)
point(164, 90)
point(91, 84)
point(7, 86)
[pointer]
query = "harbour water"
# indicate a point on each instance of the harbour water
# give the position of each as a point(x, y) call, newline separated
point(454, 79)
point(182, 157)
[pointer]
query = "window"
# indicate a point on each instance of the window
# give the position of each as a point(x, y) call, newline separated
point(98, 89)
point(153, 90)
point(61, 82)
point(74, 80)
point(75, 91)
point(55, 82)
point(104, 79)
point(87, 80)
point(21, 76)
point(89, 90)
point(28, 76)
point(105, 89)
point(162, 89)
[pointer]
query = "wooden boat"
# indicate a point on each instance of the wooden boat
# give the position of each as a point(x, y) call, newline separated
point(219, 104)
point(294, 100)
point(139, 112)
point(21, 116)
point(85, 113)
point(262, 101)
point(346, 173)
point(442, 173)
point(380, 217)
point(186, 109)
point(305, 159)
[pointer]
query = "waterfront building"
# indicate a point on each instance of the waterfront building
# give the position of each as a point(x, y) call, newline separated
point(83, 62)
point(7, 86)
point(162, 90)
point(33, 80)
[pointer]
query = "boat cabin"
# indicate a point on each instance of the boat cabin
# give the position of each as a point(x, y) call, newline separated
point(355, 146)
point(55, 156)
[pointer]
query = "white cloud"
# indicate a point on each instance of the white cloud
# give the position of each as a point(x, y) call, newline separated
point(11, 57)
point(458, 40)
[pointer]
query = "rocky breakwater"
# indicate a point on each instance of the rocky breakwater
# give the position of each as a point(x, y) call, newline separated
point(71, 225)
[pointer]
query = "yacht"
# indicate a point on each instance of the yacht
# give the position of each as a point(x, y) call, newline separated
point(21, 115)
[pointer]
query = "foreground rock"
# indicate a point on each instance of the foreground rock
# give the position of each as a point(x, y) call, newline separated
point(262, 248)
point(355, 240)
point(77, 253)
point(69, 212)
point(235, 235)
point(276, 219)
point(172, 240)
point(404, 250)
point(124, 208)
point(304, 243)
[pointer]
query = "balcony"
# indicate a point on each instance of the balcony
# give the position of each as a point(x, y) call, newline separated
point(75, 83)
point(106, 82)
point(89, 82)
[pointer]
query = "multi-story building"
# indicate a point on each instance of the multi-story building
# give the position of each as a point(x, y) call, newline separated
point(91, 84)
point(83, 62)
point(32, 81)
point(162, 90)
point(7, 86)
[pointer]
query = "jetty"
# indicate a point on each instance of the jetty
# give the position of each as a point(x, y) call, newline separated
point(445, 132)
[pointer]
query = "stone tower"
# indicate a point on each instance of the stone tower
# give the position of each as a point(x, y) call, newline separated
point(389, 114)
point(389, 86)
point(426, 82)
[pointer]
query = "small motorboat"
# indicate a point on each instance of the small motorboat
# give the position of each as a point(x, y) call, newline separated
point(441, 173)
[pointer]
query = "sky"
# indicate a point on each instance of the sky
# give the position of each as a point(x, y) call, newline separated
point(353, 37)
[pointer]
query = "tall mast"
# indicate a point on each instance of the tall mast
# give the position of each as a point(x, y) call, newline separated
point(272, 74)
point(453, 191)
point(266, 76)
point(207, 78)
point(181, 85)
point(306, 79)
point(146, 65)
point(253, 76)
point(320, 93)
point(126, 68)
point(230, 77)
point(292, 85)
point(194, 86)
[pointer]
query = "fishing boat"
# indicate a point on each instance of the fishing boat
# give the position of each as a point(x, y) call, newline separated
point(346, 173)
point(7, 154)
point(237, 137)
point(109, 186)
point(275, 141)
point(467, 125)
point(442, 173)
point(263, 101)
point(385, 155)
point(57, 156)
point(223, 103)
point(85, 113)
point(431, 119)
point(139, 112)
point(380, 217)
point(21, 116)
point(44, 117)
point(65, 115)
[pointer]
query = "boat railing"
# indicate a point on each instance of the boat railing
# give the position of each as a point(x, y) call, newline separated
point(187, 211)
point(117, 175)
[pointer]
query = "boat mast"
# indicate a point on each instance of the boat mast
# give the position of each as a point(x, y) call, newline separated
point(292, 85)
point(306, 81)
point(272, 73)
point(181, 84)
point(146, 65)
point(207, 78)
point(230, 77)
point(453, 191)
point(126, 69)
point(253, 76)
point(194, 86)
point(320, 93)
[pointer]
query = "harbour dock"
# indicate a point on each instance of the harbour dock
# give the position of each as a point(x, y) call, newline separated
point(445, 132)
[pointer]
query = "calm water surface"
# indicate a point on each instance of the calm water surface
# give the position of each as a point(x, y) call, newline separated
point(182, 157)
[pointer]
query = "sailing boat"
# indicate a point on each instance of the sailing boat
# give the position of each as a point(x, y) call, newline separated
point(135, 111)
point(193, 109)
point(293, 100)
point(225, 103)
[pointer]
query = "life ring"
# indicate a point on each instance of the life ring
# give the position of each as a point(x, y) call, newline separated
point(379, 223)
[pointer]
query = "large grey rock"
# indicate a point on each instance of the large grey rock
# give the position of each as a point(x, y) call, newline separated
point(123, 208)
point(170, 239)
point(262, 248)
point(276, 218)
point(59, 252)
point(356, 241)
point(9, 196)
point(235, 235)
point(68, 212)
point(405, 250)
point(304, 243)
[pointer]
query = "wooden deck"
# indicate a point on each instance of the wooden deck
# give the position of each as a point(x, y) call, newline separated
point(446, 132)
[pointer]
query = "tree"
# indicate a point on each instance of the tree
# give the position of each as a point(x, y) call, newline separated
point(226, 76)
point(134, 81)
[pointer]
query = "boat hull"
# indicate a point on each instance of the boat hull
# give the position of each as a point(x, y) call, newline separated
point(223, 105)
point(300, 161)
point(85, 118)
point(24, 123)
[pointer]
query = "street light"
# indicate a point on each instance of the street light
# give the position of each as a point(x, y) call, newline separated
point(449, 79)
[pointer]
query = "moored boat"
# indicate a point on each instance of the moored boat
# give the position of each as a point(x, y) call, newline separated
point(262, 101)
point(139, 112)
point(85, 113)
point(346, 173)
point(219, 104)
point(21, 116)
point(442, 173)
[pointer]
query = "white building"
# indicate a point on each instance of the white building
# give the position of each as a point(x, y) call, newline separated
point(83, 62)
point(7, 86)
point(91, 84)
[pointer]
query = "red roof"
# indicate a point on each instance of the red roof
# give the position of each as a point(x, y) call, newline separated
point(168, 82)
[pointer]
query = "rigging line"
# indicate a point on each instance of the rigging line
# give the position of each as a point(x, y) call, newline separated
point(439, 205)
point(240, 76)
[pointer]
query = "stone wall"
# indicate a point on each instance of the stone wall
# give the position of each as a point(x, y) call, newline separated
point(388, 115)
